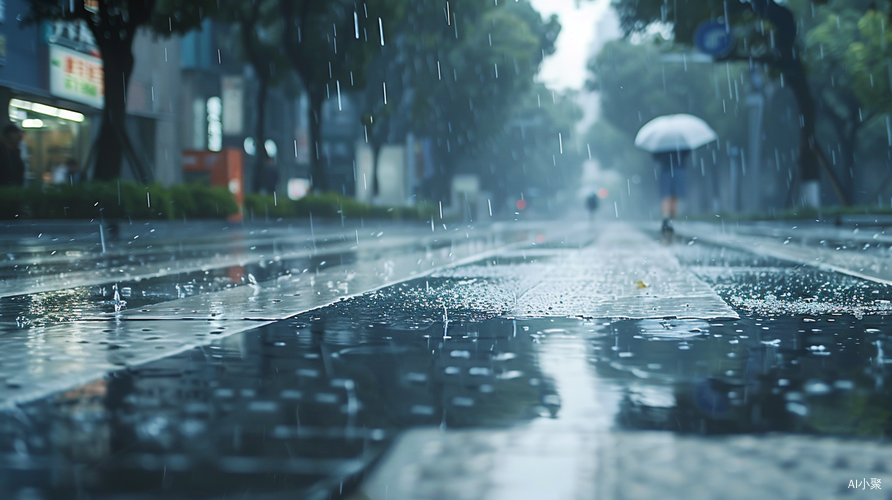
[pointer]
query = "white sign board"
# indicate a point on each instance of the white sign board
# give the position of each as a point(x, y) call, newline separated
point(76, 76)
point(233, 94)
point(215, 126)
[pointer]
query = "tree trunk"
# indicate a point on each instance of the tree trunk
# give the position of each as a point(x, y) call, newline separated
point(376, 153)
point(117, 59)
point(260, 154)
point(811, 159)
point(317, 169)
point(5, 98)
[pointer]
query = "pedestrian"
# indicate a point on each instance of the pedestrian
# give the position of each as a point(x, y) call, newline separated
point(673, 184)
point(73, 170)
point(12, 163)
point(591, 203)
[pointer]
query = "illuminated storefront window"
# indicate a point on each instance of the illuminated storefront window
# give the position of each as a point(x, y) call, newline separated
point(53, 136)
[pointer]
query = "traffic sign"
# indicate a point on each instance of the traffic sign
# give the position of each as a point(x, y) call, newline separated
point(714, 38)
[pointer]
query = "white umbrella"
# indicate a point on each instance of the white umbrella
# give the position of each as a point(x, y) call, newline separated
point(681, 132)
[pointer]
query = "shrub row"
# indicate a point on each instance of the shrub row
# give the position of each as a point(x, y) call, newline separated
point(124, 199)
point(113, 200)
point(329, 205)
point(799, 213)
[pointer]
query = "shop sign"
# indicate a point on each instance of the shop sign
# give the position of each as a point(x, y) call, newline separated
point(76, 76)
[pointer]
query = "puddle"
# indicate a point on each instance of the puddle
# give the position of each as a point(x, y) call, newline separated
point(309, 401)
point(315, 399)
point(70, 304)
point(299, 407)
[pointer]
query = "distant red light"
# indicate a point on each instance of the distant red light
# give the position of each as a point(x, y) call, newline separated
point(521, 204)
point(540, 238)
point(602, 193)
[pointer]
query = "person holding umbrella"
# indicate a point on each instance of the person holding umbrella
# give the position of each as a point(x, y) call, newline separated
point(671, 138)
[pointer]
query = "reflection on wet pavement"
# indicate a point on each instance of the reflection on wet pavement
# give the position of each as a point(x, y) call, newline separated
point(296, 406)
point(302, 407)
point(794, 374)
point(314, 400)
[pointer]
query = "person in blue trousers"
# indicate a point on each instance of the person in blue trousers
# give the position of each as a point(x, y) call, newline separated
point(672, 176)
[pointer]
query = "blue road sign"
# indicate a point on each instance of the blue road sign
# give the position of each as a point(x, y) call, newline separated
point(713, 38)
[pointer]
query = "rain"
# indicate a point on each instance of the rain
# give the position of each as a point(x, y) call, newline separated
point(343, 249)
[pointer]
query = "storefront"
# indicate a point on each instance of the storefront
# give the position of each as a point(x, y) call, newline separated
point(55, 137)
point(52, 75)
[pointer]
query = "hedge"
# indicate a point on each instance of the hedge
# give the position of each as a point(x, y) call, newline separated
point(114, 200)
point(800, 213)
point(125, 199)
point(330, 206)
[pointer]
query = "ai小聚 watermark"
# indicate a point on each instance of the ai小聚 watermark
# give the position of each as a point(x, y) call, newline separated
point(863, 484)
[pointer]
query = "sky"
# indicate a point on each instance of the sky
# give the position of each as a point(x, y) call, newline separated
point(565, 69)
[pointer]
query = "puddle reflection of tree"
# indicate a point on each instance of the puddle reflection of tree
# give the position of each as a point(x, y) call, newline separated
point(711, 386)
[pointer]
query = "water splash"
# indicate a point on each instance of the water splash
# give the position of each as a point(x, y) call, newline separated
point(118, 302)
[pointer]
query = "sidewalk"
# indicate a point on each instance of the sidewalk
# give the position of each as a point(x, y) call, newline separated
point(580, 454)
point(503, 370)
point(526, 463)
point(845, 251)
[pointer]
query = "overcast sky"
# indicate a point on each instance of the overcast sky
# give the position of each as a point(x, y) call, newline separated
point(566, 67)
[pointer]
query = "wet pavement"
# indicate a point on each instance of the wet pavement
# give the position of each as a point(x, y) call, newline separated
point(517, 361)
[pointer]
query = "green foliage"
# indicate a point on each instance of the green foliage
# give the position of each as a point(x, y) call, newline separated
point(461, 83)
point(615, 149)
point(329, 45)
point(536, 151)
point(199, 201)
point(329, 206)
point(112, 200)
point(802, 213)
point(868, 62)
point(636, 16)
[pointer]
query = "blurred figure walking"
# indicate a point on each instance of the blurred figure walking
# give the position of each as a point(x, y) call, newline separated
point(671, 138)
point(673, 184)
point(591, 204)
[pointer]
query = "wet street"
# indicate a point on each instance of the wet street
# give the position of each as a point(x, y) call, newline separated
point(514, 360)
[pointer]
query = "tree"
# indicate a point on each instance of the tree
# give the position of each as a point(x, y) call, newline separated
point(613, 148)
point(536, 149)
point(867, 61)
point(259, 32)
point(832, 49)
point(114, 24)
point(766, 33)
point(329, 45)
point(457, 82)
